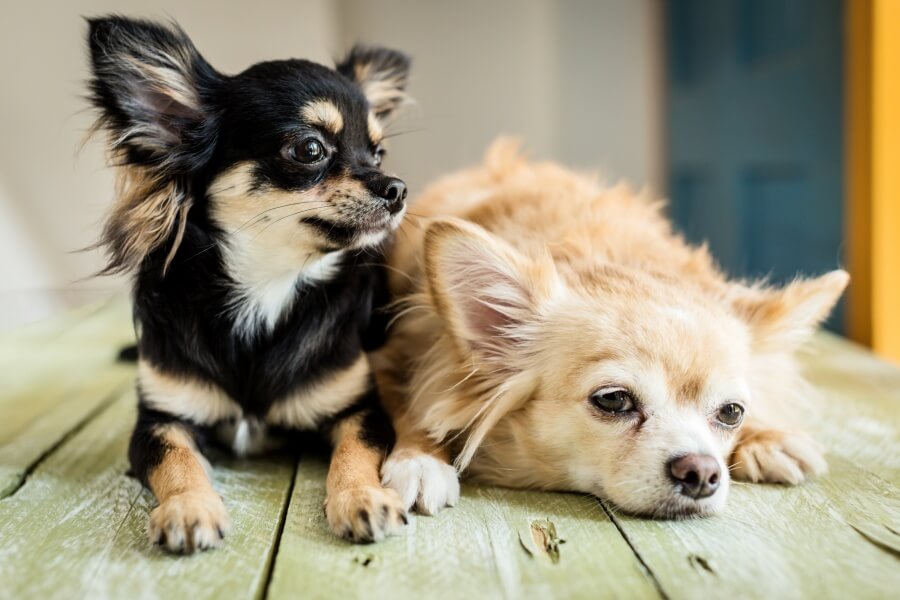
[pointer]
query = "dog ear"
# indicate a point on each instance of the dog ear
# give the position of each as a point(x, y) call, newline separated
point(484, 289)
point(152, 90)
point(382, 74)
point(488, 294)
point(782, 319)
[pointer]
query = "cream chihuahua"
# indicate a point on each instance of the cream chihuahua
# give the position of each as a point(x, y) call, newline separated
point(556, 334)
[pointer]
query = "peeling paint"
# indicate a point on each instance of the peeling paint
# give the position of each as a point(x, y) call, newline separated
point(887, 540)
point(525, 547)
point(699, 562)
point(364, 560)
point(546, 540)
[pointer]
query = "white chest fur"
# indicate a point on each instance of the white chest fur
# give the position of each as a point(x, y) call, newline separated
point(266, 252)
point(266, 290)
point(245, 436)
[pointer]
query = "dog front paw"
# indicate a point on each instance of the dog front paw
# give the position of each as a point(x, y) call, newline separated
point(189, 521)
point(421, 480)
point(365, 514)
point(778, 457)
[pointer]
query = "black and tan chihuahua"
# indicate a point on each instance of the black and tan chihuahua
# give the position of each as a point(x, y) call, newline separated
point(250, 210)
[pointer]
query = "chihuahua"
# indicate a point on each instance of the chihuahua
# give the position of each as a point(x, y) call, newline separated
point(556, 334)
point(250, 210)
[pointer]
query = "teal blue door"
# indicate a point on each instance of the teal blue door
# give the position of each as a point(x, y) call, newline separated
point(755, 132)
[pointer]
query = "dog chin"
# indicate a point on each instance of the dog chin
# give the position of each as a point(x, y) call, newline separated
point(674, 506)
point(678, 508)
point(373, 234)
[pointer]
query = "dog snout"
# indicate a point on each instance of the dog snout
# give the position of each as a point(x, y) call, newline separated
point(697, 475)
point(391, 190)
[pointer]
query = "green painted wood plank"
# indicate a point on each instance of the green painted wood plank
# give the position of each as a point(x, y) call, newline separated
point(858, 415)
point(778, 542)
point(76, 529)
point(483, 547)
point(45, 429)
point(835, 536)
point(35, 379)
point(51, 387)
point(47, 329)
point(94, 340)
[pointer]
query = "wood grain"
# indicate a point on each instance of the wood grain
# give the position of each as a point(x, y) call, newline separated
point(72, 523)
point(858, 412)
point(53, 383)
point(482, 548)
point(835, 536)
point(778, 542)
point(40, 332)
point(76, 529)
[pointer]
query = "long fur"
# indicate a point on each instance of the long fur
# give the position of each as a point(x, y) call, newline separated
point(250, 211)
point(525, 288)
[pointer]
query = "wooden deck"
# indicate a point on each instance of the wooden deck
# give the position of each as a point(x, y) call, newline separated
point(72, 524)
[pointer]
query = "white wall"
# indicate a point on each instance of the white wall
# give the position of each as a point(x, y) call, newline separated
point(575, 79)
point(611, 101)
point(53, 192)
point(480, 69)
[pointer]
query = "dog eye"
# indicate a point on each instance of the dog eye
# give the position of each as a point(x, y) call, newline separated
point(379, 155)
point(730, 414)
point(613, 400)
point(308, 151)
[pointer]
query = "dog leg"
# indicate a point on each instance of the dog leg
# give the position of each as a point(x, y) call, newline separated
point(772, 456)
point(164, 456)
point(422, 474)
point(417, 468)
point(357, 507)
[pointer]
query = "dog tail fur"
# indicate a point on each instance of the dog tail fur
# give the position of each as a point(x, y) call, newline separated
point(504, 156)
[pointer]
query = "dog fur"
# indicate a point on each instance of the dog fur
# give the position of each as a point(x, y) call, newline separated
point(530, 297)
point(251, 210)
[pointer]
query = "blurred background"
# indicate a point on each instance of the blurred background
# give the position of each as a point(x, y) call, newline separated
point(772, 125)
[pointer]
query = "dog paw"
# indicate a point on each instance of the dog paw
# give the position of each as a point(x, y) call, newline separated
point(778, 457)
point(365, 514)
point(421, 480)
point(189, 521)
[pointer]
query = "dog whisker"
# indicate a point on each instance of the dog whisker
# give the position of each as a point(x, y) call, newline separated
point(278, 220)
point(242, 227)
point(263, 213)
point(392, 134)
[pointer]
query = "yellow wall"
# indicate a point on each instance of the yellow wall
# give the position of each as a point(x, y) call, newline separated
point(885, 215)
point(873, 173)
point(858, 180)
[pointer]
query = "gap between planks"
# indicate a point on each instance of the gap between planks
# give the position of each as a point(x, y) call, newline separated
point(650, 574)
point(111, 397)
point(282, 519)
point(77, 528)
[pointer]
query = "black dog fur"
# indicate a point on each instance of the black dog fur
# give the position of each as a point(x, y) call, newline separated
point(175, 126)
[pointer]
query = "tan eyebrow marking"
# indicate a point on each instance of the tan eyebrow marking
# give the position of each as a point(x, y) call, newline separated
point(324, 114)
point(690, 387)
point(376, 132)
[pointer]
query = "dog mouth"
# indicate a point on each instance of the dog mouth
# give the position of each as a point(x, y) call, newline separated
point(673, 509)
point(668, 505)
point(361, 232)
point(682, 510)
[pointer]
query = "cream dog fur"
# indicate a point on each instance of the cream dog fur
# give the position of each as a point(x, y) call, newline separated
point(556, 334)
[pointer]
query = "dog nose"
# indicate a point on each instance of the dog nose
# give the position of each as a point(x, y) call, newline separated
point(393, 192)
point(698, 474)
